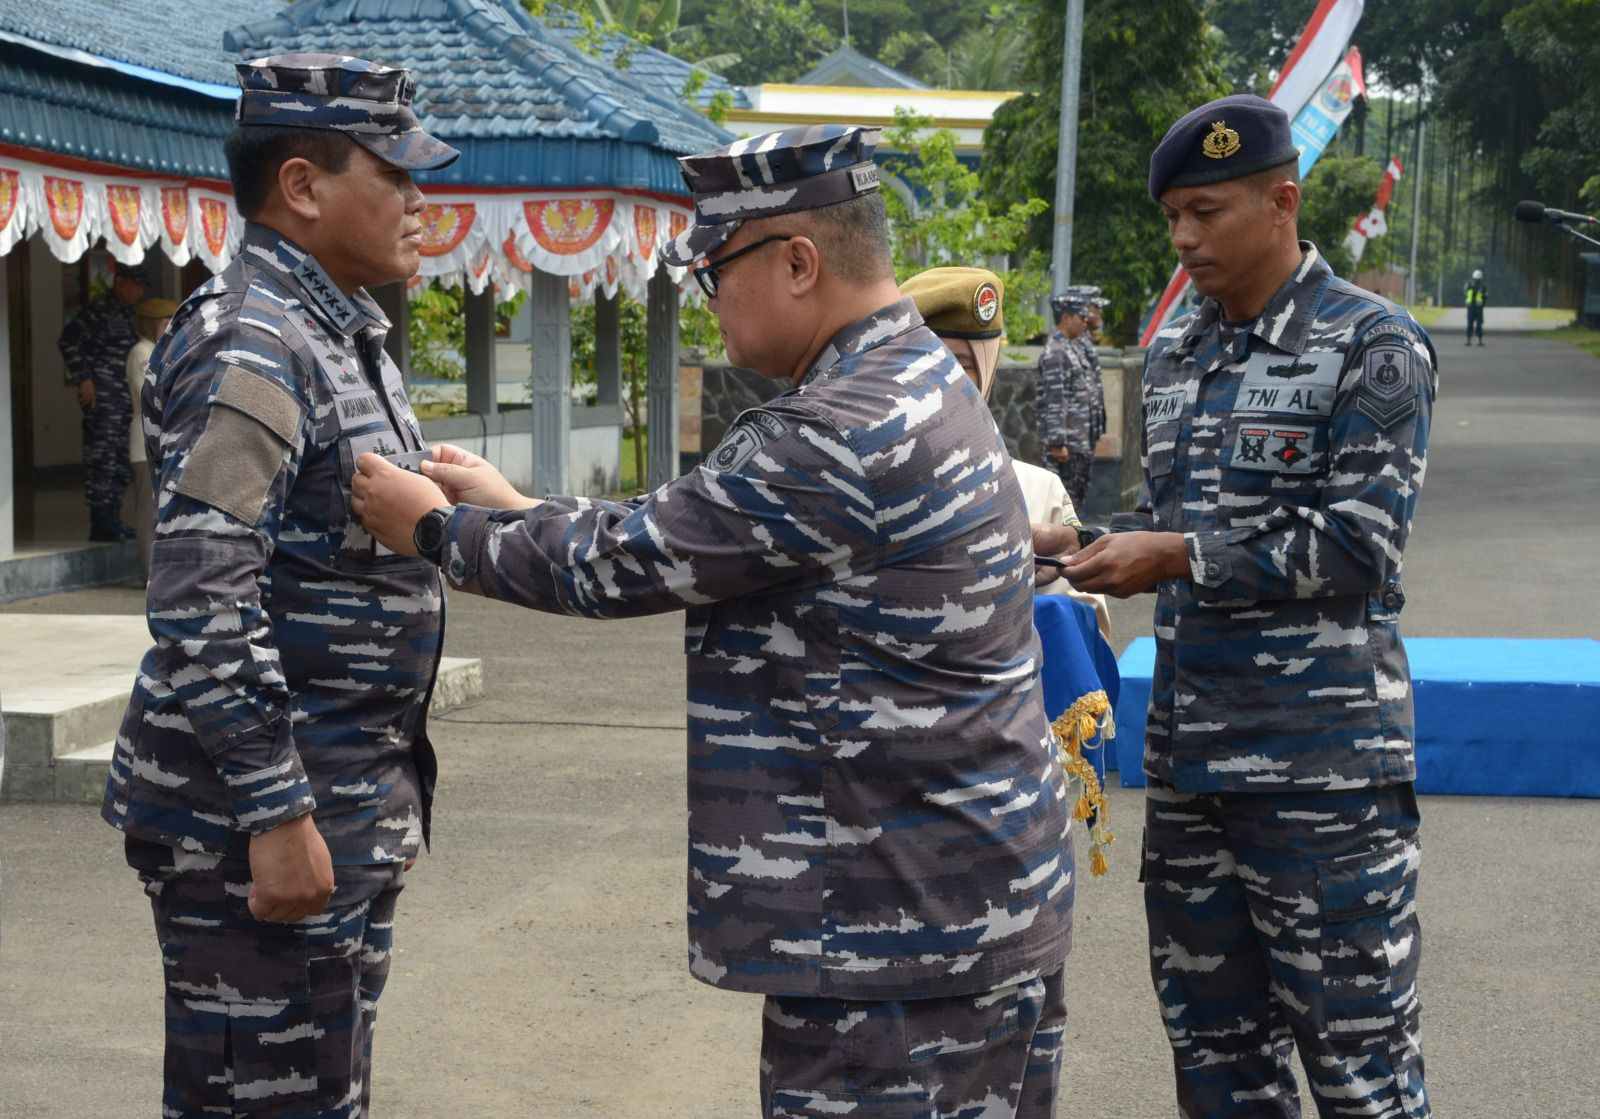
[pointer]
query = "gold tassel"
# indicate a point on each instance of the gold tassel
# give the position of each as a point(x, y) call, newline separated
point(1074, 730)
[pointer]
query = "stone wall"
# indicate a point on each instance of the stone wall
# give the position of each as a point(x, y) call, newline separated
point(726, 390)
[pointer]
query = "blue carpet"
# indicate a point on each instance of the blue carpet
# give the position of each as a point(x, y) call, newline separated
point(1495, 716)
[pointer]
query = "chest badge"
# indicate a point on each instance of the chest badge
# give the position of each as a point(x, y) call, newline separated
point(1221, 142)
point(1290, 452)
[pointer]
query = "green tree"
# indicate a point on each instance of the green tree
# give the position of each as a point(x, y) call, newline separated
point(1144, 66)
point(954, 222)
point(989, 55)
point(1338, 189)
point(755, 41)
point(1560, 39)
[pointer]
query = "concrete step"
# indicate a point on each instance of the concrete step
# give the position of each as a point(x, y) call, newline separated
point(48, 569)
point(66, 680)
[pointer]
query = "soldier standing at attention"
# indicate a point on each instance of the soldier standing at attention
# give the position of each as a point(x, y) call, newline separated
point(1095, 384)
point(1477, 293)
point(878, 830)
point(1064, 394)
point(273, 773)
point(1285, 442)
point(95, 347)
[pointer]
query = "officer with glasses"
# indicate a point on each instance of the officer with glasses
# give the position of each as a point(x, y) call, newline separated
point(879, 834)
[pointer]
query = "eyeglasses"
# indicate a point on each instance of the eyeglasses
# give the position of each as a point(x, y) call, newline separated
point(706, 274)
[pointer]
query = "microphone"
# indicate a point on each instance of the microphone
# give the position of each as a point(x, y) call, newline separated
point(1538, 211)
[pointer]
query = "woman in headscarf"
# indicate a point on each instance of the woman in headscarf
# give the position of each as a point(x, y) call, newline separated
point(965, 307)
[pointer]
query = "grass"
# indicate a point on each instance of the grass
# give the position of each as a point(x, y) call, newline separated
point(1551, 314)
point(1426, 316)
point(630, 476)
point(1582, 337)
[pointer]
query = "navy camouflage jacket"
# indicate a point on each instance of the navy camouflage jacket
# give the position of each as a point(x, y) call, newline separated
point(875, 805)
point(95, 344)
point(1290, 454)
point(1063, 396)
point(293, 656)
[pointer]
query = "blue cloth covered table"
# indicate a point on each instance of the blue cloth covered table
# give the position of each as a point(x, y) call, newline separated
point(1077, 660)
point(1495, 716)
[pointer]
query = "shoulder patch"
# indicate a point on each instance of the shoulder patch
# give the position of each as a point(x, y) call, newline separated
point(749, 433)
point(1392, 327)
point(1387, 394)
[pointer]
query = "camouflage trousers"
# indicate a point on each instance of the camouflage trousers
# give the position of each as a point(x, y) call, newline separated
point(106, 428)
point(1074, 475)
point(993, 1055)
point(1280, 921)
point(269, 1019)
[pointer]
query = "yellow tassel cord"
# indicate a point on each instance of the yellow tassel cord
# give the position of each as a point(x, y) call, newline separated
point(1074, 730)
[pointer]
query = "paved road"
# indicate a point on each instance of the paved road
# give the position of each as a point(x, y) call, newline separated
point(1498, 319)
point(541, 962)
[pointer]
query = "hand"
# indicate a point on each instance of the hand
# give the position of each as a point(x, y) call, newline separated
point(389, 501)
point(1059, 454)
point(1059, 541)
point(291, 873)
point(467, 479)
point(1129, 563)
point(86, 394)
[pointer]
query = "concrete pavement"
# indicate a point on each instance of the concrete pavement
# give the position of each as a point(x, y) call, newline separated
point(540, 968)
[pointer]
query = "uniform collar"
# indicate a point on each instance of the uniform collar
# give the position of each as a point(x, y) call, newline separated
point(865, 334)
point(1287, 319)
point(347, 315)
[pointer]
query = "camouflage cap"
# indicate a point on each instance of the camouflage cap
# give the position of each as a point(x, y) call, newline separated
point(1074, 300)
point(777, 173)
point(959, 302)
point(367, 101)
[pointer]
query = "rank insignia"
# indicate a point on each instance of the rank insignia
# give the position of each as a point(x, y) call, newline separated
point(1221, 141)
point(1387, 395)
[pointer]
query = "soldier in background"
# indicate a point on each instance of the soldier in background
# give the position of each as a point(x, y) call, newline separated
point(94, 346)
point(1284, 443)
point(878, 831)
point(1064, 396)
point(273, 773)
point(150, 319)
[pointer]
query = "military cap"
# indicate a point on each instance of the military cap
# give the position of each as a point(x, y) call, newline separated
point(959, 302)
point(778, 173)
point(1074, 300)
point(367, 101)
point(156, 308)
point(1224, 139)
point(137, 272)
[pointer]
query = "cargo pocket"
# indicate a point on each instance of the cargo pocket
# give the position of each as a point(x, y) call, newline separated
point(911, 1102)
point(1370, 943)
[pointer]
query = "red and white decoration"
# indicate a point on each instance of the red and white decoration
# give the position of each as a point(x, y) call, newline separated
point(600, 240)
point(1375, 222)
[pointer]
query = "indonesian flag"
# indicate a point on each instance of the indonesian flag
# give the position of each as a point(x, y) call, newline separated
point(1375, 222)
point(1319, 49)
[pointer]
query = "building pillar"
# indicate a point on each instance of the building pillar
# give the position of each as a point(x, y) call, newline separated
point(391, 298)
point(607, 348)
point(551, 307)
point(482, 380)
point(8, 505)
point(661, 386)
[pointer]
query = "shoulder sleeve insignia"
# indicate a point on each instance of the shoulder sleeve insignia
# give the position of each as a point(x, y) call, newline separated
point(1387, 394)
point(750, 432)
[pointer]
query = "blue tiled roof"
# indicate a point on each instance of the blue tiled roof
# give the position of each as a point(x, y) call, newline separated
point(180, 39)
point(92, 113)
point(525, 106)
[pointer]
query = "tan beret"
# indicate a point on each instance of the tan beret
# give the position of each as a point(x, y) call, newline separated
point(156, 308)
point(959, 302)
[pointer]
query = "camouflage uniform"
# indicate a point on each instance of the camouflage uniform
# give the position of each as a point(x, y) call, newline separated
point(1065, 412)
point(95, 347)
point(293, 664)
point(1290, 454)
point(878, 826)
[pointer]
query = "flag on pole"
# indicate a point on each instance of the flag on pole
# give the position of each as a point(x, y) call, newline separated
point(1320, 49)
point(1375, 222)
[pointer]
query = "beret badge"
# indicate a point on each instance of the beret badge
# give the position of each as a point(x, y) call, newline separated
point(986, 303)
point(1221, 142)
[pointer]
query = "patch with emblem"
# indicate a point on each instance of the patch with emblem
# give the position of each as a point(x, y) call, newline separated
point(1221, 142)
point(750, 432)
point(1387, 395)
point(1285, 384)
point(986, 303)
point(1275, 448)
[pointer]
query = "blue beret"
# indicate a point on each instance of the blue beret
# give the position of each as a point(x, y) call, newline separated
point(1224, 139)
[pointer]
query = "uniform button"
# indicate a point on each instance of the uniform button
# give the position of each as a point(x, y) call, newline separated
point(1213, 568)
point(1391, 600)
point(458, 569)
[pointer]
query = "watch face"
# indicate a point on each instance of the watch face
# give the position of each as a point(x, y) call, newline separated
point(429, 534)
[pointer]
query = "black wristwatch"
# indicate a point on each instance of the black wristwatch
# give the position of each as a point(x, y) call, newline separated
point(429, 535)
point(1087, 535)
